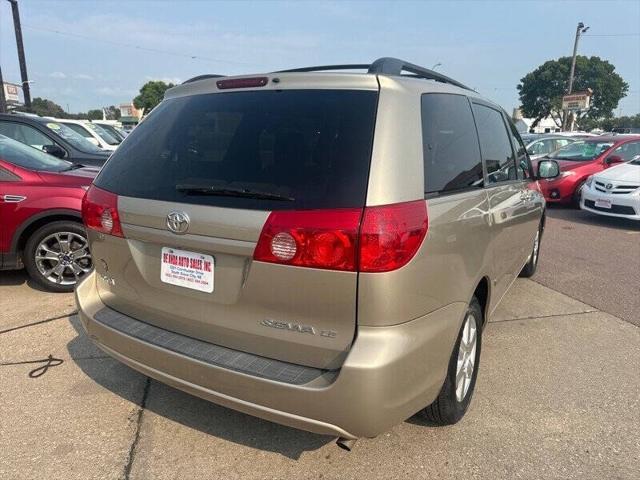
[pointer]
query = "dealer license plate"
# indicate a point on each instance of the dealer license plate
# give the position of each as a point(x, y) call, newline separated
point(601, 203)
point(187, 269)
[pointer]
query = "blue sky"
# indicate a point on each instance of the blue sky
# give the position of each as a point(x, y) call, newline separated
point(95, 60)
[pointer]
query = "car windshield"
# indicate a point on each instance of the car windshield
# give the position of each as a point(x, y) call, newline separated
point(74, 138)
point(104, 135)
point(25, 156)
point(112, 130)
point(581, 151)
point(635, 160)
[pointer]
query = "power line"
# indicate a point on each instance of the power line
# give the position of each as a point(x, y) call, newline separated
point(612, 35)
point(137, 47)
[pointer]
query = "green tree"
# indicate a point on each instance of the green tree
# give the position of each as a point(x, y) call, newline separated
point(151, 94)
point(47, 108)
point(95, 114)
point(541, 91)
point(113, 112)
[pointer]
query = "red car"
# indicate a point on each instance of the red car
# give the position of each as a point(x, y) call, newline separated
point(583, 158)
point(40, 216)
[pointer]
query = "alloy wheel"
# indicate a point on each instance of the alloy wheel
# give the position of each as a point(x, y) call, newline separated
point(466, 356)
point(63, 258)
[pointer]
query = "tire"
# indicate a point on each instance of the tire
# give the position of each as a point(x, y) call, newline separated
point(575, 199)
point(531, 266)
point(454, 398)
point(57, 256)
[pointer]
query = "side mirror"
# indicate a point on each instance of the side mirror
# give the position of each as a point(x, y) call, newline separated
point(548, 169)
point(611, 159)
point(54, 150)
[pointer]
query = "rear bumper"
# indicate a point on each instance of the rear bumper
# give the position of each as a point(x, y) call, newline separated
point(389, 374)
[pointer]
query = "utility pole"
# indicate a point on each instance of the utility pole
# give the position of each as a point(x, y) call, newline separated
point(580, 29)
point(23, 64)
point(3, 101)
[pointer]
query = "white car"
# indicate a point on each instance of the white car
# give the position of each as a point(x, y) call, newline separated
point(92, 132)
point(614, 192)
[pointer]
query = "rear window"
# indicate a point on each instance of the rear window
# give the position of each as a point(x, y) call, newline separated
point(302, 149)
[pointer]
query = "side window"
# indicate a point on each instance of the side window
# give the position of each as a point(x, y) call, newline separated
point(561, 142)
point(7, 176)
point(494, 144)
point(25, 134)
point(627, 151)
point(523, 166)
point(450, 144)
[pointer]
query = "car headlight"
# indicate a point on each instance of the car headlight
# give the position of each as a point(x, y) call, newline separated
point(589, 181)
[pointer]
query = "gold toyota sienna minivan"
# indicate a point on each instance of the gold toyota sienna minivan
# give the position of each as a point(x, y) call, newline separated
point(318, 247)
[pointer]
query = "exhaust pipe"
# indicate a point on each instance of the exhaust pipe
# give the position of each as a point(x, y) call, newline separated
point(346, 443)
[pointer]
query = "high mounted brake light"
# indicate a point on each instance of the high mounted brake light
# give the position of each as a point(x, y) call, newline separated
point(378, 239)
point(242, 82)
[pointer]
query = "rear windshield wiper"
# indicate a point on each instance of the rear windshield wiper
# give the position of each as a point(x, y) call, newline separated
point(191, 189)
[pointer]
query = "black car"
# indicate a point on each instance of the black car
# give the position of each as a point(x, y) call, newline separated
point(52, 137)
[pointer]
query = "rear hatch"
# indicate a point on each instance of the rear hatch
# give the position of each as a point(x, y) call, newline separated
point(216, 165)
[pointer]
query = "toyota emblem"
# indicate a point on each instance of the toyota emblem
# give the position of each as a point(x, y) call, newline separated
point(609, 186)
point(178, 222)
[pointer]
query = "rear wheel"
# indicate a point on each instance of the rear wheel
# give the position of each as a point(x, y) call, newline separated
point(57, 256)
point(532, 264)
point(454, 397)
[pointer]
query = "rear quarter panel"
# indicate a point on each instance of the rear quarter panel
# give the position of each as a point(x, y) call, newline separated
point(446, 269)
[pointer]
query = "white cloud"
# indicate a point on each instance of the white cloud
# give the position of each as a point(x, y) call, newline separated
point(59, 75)
point(82, 76)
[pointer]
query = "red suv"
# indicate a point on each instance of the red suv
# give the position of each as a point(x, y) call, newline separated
point(40, 216)
point(583, 158)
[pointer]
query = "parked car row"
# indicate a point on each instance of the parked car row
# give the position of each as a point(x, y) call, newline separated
point(40, 222)
point(583, 158)
point(261, 247)
point(53, 137)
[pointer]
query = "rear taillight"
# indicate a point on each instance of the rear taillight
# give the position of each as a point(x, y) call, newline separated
point(100, 211)
point(311, 238)
point(380, 239)
point(390, 235)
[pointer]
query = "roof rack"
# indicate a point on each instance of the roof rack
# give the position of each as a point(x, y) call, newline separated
point(386, 66)
point(202, 77)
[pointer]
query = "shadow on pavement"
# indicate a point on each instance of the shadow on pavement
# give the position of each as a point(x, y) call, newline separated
point(19, 277)
point(194, 412)
point(587, 218)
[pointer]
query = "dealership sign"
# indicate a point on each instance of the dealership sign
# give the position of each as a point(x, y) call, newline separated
point(577, 101)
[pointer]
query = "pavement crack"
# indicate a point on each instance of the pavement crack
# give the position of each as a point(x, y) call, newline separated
point(538, 317)
point(136, 438)
point(39, 322)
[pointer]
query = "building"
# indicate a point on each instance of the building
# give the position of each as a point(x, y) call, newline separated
point(130, 116)
point(524, 125)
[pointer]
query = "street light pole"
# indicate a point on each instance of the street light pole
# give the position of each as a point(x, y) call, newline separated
point(23, 64)
point(580, 29)
point(3, 101)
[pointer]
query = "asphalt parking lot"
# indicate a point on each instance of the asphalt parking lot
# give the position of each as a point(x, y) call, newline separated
point(558, 393)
